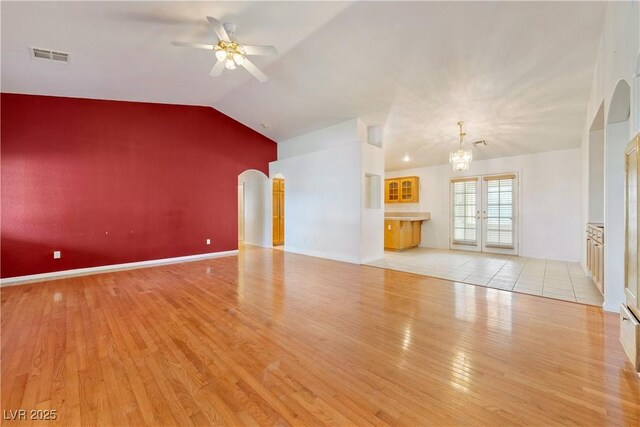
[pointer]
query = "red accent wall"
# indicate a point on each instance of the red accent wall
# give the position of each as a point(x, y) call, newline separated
point(109, 182)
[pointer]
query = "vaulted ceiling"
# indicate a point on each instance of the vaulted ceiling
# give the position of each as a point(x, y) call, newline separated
point(517, 73)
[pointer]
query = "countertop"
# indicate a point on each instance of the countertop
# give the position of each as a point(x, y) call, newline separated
point(407, 216)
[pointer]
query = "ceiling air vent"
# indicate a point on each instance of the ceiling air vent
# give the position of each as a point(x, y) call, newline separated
point(51, 55)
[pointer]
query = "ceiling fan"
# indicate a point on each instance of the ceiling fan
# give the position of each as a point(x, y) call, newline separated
point(229, 52)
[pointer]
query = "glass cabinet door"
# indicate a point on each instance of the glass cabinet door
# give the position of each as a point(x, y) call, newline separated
point(393, 191)
point(407, 190)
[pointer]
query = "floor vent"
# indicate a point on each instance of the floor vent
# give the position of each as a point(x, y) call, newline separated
point(51, 55)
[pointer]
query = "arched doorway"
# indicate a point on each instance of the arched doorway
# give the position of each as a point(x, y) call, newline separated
point(253, 204)
point(278, 210)
point(617, 135)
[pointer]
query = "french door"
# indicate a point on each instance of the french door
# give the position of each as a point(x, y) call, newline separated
point(484, 213)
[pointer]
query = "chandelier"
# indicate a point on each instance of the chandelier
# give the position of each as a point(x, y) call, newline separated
point(460, 158)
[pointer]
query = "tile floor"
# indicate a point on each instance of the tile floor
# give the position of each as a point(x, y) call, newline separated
point(553, 279)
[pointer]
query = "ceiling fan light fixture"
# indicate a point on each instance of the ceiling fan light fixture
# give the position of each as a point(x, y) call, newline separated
point(229, 53)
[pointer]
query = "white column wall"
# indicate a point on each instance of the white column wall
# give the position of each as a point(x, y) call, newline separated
point(324, 175)
point(617, 135)
point(372, 220)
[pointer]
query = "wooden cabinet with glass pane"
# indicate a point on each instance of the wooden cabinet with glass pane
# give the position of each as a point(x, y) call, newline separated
point(402, 190)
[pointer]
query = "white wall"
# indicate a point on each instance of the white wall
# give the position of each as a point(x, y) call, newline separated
point(617, 136)
point(372, 220)
point(618, 57)
point(596, 176)
point(346, 132)
point(324, 174)
point(257, 208)
point(550, 191)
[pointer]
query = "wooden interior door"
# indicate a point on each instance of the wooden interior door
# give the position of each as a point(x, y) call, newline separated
point(278, 211)
point(631, 227)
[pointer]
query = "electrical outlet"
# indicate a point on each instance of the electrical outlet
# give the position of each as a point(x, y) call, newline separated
point(56, 254)
point(208, 241)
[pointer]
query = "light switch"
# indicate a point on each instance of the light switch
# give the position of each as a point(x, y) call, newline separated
point(56, 255)
point(208, 241)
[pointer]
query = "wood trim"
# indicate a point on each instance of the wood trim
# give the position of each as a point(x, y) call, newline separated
point(497, 177)
point(401, 177)
point(464, 179)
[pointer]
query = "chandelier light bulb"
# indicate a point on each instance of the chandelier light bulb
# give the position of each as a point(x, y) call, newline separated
point(230, 65)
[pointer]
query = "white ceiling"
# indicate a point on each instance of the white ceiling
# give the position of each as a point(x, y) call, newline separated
point(517, 73)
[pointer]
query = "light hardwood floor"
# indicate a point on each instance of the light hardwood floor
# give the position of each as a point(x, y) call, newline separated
point(270, 338)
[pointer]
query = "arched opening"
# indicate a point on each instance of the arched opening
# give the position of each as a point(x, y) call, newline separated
point(617, 135)
point(278, 211)
point(253, 203)
point(620, 105)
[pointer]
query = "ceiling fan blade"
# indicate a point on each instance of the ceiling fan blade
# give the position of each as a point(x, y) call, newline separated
point(218, 28)
point(260, 50)
point(255, 71)
point(217, 69)
point(196, 45)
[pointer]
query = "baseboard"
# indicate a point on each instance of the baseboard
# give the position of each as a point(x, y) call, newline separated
point(318, 254)
point(21, 280)
point(370, 259)
point(613, 308)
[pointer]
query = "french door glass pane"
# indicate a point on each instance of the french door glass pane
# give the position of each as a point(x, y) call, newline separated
point(500, 212)
point(464, 211)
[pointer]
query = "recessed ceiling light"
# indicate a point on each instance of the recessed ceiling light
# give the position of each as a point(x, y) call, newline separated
point(406, 158)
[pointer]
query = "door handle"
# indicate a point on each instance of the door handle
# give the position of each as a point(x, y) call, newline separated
point(484, 215)
point(478, 215)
